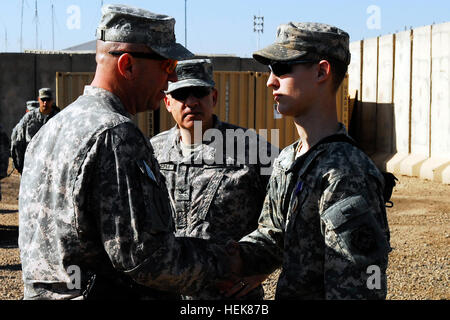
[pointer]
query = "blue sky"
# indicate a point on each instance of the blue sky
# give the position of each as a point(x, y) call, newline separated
point(215, 27)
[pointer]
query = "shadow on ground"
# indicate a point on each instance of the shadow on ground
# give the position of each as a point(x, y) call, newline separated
point(8, 211)
point(9, 236)
point(11, 267)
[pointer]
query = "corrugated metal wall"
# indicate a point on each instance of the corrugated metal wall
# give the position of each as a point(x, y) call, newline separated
point(70, 85)
point(243, 100)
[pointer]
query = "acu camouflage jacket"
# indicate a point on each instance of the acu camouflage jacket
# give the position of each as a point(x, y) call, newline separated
point(324, 221)
point(92, 196)
point(215, 196)
point(24, 131)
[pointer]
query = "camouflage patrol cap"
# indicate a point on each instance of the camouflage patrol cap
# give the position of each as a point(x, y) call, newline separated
point(306, 40)
point(45, 93)
point(32, 104)
point(122, 23)
point(193, 73)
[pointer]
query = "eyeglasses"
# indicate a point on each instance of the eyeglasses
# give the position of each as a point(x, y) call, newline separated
point(168, 65)
point(281, 68)
point(184, 93)
point(45, 99)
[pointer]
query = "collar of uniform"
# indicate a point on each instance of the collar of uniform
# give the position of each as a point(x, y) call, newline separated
point(113, 100)
point(287, 157)
point(208, 152)
point(172, 137)
point(302, 163)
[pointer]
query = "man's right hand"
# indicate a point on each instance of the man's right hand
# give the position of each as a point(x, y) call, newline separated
point(235, 267)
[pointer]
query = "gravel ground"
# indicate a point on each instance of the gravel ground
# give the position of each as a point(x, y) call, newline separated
point(418, 269)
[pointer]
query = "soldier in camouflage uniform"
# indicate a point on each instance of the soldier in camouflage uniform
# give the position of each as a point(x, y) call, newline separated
point(324, 217)
point(32, 105)
point(4, 156)
point(214, 199)
point(30, 124)
point(94, 214)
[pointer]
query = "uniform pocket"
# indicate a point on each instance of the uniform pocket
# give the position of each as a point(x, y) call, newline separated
point(358, 234)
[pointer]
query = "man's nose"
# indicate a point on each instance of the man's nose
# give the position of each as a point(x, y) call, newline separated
point(273, 82)
point(191, 101)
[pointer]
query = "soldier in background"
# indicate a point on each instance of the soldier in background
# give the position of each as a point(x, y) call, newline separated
point(324, 217)
point(4, 156)
point(30, 124)
point(215, 197)
point(93, 204)
point(31, 105)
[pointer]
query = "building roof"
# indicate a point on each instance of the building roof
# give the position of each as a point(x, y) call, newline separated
point(85, 47)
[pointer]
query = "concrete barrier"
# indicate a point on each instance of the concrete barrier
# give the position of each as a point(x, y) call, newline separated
point(411, 101)
point(367, 132)
point(401, 100)
point(420, 103)
point(384, 109)
point(437, 167)
point(24, 73)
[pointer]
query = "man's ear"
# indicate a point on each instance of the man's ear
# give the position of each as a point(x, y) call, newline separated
point(324, 71)
point(167, 103)
point(125, 66)
point(214, 95)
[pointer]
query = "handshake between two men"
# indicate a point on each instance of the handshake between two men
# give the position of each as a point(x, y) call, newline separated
point(239, 283)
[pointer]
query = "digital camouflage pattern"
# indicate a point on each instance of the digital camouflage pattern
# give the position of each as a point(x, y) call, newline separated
point(24, 131)
point(122, 23)
point(306, 40)
point(213, 200)
point(92, 196)
point(193, 73)
point(324, 221)
point(4, 156)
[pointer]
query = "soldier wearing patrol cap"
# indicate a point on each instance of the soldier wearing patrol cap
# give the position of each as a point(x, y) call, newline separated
point(324, 217)
point(38, 113)
point(31, 105)
point(93, 205)
point(46, 101)
point(214, 199)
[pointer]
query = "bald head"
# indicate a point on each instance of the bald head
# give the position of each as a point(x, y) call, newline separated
point(138, 82)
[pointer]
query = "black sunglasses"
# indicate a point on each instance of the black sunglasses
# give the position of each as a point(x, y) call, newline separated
point(46, 99)
point(184, 93)
point(281, 68)
point(144, 55)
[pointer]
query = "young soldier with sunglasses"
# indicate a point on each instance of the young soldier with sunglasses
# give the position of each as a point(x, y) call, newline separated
point(94, 212)
point(30, 124)
point(214, 196)
point(324, 217)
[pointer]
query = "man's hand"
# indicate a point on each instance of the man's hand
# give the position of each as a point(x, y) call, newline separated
point(244, 286)
point(234, 256)
point(237, 286)
point(235, 266)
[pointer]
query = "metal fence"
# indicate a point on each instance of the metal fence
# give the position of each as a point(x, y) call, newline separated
point(243, 100)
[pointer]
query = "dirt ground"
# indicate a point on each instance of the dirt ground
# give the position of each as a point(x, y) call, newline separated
point(418, 269)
